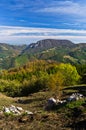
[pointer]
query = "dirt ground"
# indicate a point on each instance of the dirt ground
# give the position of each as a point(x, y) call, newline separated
point(58, 119)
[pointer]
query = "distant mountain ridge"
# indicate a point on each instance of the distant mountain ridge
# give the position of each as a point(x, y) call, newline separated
point(8, 53)
point(58, 50)
point(47, 44)
point(48, 49)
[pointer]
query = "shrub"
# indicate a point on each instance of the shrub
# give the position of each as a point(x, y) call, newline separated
point(10, 88)
point(71, 76)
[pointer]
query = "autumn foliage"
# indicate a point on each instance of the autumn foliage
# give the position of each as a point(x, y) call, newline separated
point(37, 75)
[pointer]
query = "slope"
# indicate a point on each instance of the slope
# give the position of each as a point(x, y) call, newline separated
point(7, 54)
point(51, 49)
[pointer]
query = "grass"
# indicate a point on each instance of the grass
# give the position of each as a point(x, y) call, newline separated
point(75, 104)
point(75, 89)
point(5, 101)
point(42, 120)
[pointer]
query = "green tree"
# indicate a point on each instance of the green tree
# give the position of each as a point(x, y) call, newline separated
point(70, 74)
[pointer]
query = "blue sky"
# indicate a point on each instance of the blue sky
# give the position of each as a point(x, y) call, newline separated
point(27, 21)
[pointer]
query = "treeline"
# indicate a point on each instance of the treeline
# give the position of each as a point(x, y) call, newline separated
point(81, 69)
point(38, 75)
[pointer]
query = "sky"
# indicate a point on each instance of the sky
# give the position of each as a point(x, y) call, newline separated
point(27, 21)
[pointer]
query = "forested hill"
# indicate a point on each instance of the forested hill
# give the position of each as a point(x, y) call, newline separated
point(48, 49)
point(8, 53)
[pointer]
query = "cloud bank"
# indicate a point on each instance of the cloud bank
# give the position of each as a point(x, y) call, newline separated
point(27, 35)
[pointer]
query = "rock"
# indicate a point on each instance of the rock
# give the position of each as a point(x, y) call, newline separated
point(6, 109)
point(16, 110)
point(29, 112)
point(19, 108)
point(75, 97)
point(50, 103)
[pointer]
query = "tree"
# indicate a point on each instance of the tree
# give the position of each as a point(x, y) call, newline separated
point(70, 74)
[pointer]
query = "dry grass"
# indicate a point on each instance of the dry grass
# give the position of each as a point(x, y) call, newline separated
point(5, 101)
point(41, 120)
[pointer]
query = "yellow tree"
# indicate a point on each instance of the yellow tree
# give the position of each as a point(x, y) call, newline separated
point(69, 73)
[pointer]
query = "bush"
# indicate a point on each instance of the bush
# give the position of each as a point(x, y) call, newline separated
point(37, 76)
point(10, 88)
point(34, 85)
point(71, 76)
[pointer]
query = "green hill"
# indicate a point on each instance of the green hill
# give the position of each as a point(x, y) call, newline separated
point(8, 53)
point(49, 49)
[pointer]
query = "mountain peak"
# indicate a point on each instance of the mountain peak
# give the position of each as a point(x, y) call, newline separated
point(49, 43)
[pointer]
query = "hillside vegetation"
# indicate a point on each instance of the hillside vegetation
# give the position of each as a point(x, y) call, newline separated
point(38, 75)
point(62, 51)
point(8, 54)
point(58, 50)
point(37, 72)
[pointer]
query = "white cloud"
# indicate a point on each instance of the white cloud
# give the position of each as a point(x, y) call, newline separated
point(40, 6)
point(65, 7)
point(18, 35)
